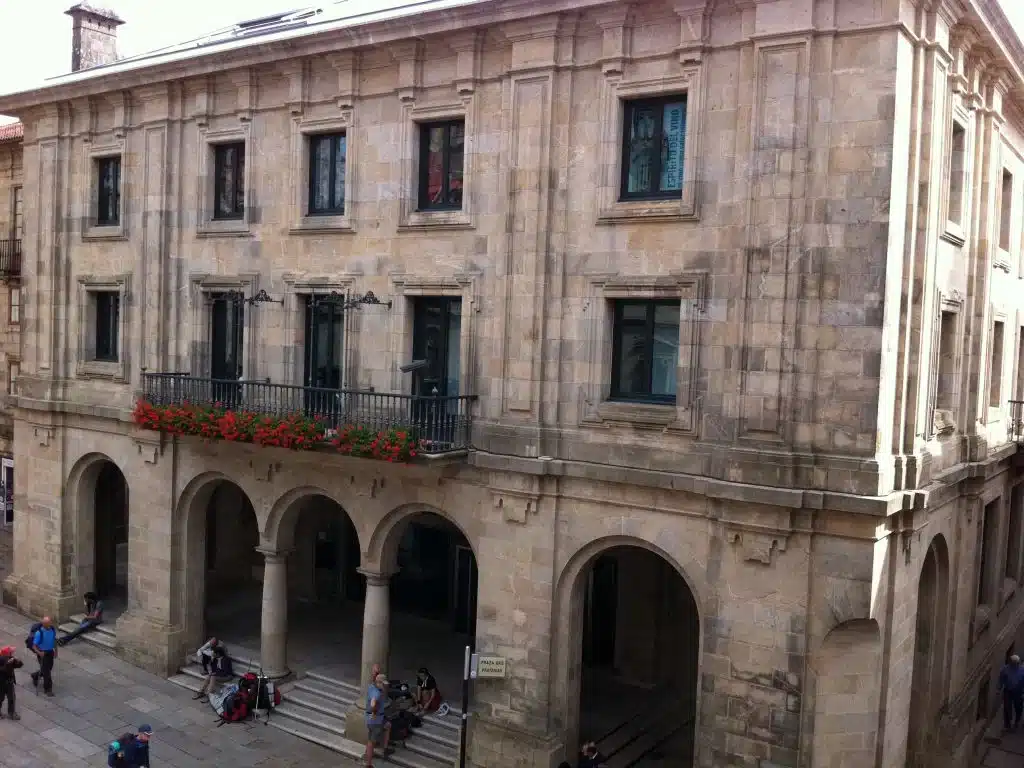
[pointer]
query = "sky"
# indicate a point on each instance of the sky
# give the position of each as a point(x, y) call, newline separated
point(149, 24)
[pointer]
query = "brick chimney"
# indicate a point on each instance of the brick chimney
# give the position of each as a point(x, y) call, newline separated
point(93, 36)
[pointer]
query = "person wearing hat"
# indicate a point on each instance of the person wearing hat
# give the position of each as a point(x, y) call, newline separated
point(8, 663)
point(377, 727)
point(136, 754)
point(1011, 683)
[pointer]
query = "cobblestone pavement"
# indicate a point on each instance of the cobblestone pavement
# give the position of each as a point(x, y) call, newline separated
point(99, 697)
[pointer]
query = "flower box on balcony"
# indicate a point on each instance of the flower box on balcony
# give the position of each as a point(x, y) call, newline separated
point(296, 431)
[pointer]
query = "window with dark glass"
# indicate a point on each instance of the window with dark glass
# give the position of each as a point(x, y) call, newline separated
point(108, 201)
point(229, 181)
point(108, 320)
point(327, 174)
point(645, 350)
point(653, 143)
point(441, 155)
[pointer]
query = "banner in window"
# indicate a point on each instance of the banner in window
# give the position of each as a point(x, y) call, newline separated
point(674, 131)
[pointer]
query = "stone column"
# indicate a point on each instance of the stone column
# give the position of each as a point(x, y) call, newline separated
point(376, 637)
point(274, 629)
point(376, 624)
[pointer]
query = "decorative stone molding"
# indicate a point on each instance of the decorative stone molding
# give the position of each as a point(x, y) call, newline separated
point(296, 73)
point(202, 102)
point(614, 91)
point(597, 409)
point(244, 82)
point(694, 29)
point(43, 434)
point(516, 506)
point(121, 102)
point(408, 55)
point(757, 545)
point(150, 450)
point(468, 47)
point(615, 22)
point(264, 471)
point(346, 64)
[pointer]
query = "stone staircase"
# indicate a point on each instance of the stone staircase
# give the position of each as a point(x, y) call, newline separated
point(102, 636)
point(313, 707)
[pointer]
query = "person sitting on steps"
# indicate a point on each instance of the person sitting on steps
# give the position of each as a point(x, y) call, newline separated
point(220, 672)
point(93, 618)
point(428, 697)
point(205, 654)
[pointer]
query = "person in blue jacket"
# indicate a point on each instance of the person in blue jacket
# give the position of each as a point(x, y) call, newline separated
point(1011, 683)
point(136, 754)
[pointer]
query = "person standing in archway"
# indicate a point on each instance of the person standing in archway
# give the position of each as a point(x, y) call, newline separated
point(1011, 683)
point(378, 729)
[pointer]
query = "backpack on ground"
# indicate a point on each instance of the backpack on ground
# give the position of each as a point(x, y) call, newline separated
point(30, 639)
point(236, 707)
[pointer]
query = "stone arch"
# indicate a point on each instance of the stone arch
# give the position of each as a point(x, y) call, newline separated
point(847, 669)
point(929, 679)
point(279, 529)
point(382, 545)
point(188, 553)
point(80, 513)
point(567, 622)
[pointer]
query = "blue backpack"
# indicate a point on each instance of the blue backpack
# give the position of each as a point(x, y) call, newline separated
point(30, 640)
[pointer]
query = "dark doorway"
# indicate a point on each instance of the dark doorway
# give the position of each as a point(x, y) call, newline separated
point(227, 320)
point(323, 351)
point(233, 591)
point(436, 330)
point(640, 642)
point(465, 583)
point(111, 533)
point(599, 609)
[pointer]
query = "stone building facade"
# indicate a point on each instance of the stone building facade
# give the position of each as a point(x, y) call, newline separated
point(12, 222)
point(757, 378)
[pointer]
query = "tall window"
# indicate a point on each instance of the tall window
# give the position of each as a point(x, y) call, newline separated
point(645, 350)
point(229, 181)
point(995, 374)
point(442, 148)
point(1013, 535)
point(108, 317)
point(1005, 210)
point(13, 371)
point(946, 376)
point(14, 304)
point(108, 197)
point(18, 214)
point(956, 174)
point(653, 143)
point(986, 552)
point(327, 174)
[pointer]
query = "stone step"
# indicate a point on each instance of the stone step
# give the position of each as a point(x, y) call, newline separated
point(315, 735)
point(311, 687)
point(325, 722)
point(430, 749)
point(315, 703)
point(97, 636)
point(334, 683)
point(188, 682)
point(107, 628)
point(653, 734)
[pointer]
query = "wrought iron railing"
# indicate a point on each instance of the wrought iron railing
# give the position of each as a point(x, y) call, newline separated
point(1015, 427)
point(10, 258)
point(441, 422)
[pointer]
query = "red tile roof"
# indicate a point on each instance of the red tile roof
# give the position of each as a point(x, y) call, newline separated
point(12, 132)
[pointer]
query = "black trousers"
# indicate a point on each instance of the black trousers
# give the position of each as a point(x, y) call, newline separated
point(7, 692)
point(85, 626)
point(1013, 707)
point(45, 671)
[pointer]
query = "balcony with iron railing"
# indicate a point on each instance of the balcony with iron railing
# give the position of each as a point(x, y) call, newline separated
point(10, 258)
point(436, 424)
point(1015, 426)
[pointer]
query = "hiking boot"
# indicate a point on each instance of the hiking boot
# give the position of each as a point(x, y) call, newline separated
point(49, 693)
point(35, 681)
point(199, 696)
point(14, 716)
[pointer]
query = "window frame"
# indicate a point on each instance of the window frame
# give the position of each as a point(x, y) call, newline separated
point(219, 150)
point(615, 393)
point(13, 372)
point(14, 305)
point(423, 177)
point(17, 212)
point(104, 205)
point(629, 105)
point(88, 366)
point(106, 323)
point(312, 140)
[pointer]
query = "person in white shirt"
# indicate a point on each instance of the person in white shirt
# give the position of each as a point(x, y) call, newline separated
point(205, 654)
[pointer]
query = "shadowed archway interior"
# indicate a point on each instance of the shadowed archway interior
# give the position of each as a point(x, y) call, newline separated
point(638, 651)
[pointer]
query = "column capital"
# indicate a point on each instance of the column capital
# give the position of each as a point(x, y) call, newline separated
point(377, 578)
point(274, 555)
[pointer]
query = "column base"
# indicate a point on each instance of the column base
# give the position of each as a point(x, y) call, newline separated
point(355, 724)
point(495, 745)
point(150, 644)
point(36, 601)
